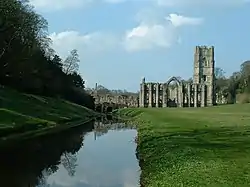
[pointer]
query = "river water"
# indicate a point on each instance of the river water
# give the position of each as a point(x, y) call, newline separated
point(98, 154)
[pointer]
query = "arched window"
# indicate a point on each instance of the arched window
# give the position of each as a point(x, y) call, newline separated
point(204, 62)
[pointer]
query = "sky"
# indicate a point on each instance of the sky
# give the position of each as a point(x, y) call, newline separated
point(121, 41)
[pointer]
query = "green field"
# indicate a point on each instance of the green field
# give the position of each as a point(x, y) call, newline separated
point(193, 146)
point(21, 113)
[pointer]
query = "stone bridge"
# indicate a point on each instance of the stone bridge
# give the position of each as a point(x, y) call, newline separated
point(107, 103)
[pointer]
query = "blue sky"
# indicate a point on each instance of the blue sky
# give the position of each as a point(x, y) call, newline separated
point(121, 41)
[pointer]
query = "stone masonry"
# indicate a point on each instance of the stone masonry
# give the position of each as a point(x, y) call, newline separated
point(200, 93)
point(115, 100)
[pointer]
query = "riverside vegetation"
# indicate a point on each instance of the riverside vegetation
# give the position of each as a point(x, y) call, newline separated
point(193, 146)
point(31, 115)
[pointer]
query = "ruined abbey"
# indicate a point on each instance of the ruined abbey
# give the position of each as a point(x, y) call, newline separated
point(199, 93)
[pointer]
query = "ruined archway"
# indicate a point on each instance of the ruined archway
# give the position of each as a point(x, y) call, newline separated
point(173, 96)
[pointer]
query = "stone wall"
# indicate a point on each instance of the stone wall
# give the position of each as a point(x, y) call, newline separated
point(123, 100)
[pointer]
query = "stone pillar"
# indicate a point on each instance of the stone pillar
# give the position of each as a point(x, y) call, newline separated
point(142, 94)
point(164, 96)
point(189, 95)
point(210, 95)
point(157, 95)
point(180, 95)
point(195, 95)
point(150, 95)
point(203, 89)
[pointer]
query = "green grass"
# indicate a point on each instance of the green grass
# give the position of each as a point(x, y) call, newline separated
point(24, 112)
point(193, 146)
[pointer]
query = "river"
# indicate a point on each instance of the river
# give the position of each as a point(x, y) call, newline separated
point(98, 154)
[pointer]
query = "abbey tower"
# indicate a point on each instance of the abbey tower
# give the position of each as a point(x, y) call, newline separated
point(204, 71)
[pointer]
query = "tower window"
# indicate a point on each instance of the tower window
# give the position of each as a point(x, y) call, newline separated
point(204, 61)
point(204, 78)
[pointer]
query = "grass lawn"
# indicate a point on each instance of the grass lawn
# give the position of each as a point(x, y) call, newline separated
point(23, 112)
point(193, 146)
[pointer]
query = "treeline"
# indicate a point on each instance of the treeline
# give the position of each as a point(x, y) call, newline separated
point(27, 61)
point(235, 88)
point(101, 90)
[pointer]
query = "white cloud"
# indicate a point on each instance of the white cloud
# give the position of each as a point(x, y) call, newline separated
point(149, 35)
point(85, 43)
point(178, 20)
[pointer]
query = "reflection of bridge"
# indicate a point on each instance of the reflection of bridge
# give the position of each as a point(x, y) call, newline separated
point(107, 103)
point(101, 128)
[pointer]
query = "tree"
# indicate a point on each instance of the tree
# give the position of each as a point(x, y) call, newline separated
point(57, 61)
point(221, 82)
point(245, 77)
point(69, 163)
point(102, 90)
point(245, 69)
point(77, 80)
point(219, 73)
point(20, 23)
point(27, 61)
point(71, 63)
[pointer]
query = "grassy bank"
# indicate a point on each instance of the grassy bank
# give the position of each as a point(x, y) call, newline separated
point(193, 147)
point(22, 113)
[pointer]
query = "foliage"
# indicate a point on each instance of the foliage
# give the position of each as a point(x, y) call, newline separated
point(29, 64)
point(193, 146)
point(101, 90)
point(70, 65)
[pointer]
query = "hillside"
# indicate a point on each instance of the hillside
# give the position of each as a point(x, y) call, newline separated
point(21, 112)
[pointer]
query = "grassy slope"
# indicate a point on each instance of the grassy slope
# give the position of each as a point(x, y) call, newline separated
point(194, 147)
point(23, 112)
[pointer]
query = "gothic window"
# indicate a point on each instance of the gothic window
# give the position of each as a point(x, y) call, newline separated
point(204, 62)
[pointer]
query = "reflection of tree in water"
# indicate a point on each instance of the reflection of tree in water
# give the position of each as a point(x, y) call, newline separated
point(29, 164)
point(69, 163)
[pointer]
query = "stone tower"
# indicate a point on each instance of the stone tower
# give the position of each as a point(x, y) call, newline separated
point(204, 71)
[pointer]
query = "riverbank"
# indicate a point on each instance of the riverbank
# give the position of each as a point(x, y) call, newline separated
point(29, 115)
point(193, 146)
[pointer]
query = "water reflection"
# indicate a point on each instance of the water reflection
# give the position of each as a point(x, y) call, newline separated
point(105, 160)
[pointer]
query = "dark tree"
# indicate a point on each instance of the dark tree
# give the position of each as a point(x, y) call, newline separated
point(28, 63)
